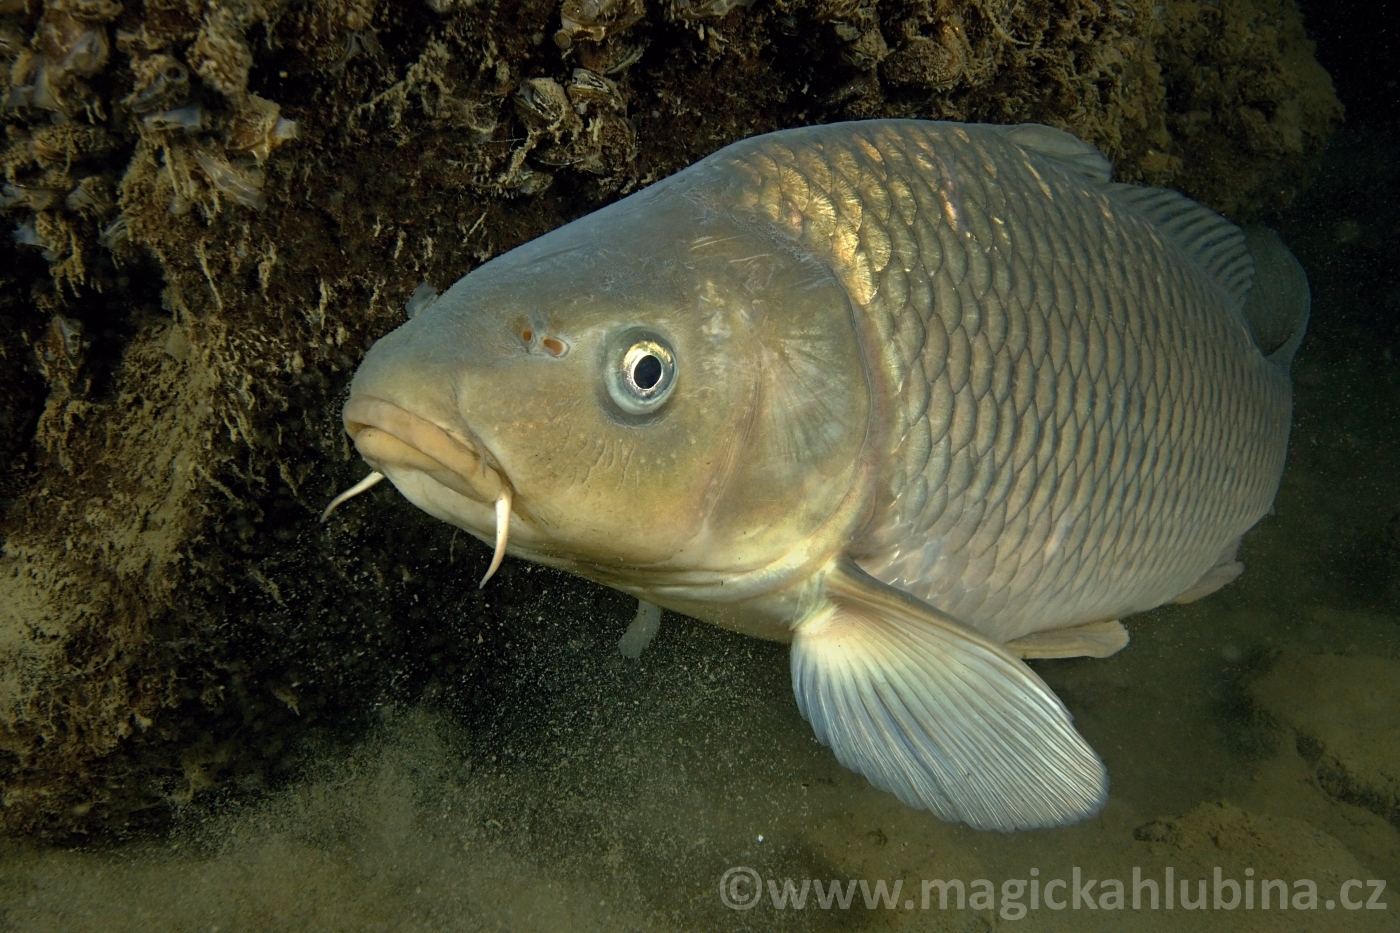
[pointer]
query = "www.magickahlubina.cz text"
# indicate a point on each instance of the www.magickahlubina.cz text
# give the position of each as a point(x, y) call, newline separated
point(743, 888)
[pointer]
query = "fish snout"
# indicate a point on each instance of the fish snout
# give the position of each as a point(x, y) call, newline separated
point(393, 441)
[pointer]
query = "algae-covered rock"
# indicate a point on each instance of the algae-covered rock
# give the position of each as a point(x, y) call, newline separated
point(217, 207)
point(1243, 82)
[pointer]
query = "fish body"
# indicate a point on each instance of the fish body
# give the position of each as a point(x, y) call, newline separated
point(921, 398)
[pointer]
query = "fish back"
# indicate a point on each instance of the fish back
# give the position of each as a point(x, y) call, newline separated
point(1075, 420)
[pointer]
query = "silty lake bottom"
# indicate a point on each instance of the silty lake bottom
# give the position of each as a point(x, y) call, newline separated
point(1256, 732)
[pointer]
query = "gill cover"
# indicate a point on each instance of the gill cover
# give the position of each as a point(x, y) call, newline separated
point(668, 383)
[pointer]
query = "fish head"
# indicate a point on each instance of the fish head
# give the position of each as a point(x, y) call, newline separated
point(666, 389)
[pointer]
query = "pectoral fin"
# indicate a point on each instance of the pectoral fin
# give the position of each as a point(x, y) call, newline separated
point(937, 714)
point(641, 632)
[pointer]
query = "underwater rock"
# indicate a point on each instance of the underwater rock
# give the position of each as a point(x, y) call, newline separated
point(589, 89)
point(92, 197)
point(690, 10)
point(1344, 714)
point(544, 108)
point(71, 45)
point(1243, 82)
point(220, 55)
point(34, 199)
point(26, 235)
point(259, 127)
point(189, 119)
point(63, 49)
point(243, 186)
point(164, 581)
point(925, 62)
point(61, 145)
point(595, 20)
point(160, 82)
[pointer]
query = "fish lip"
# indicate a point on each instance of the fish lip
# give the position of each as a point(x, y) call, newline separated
point(392, 439)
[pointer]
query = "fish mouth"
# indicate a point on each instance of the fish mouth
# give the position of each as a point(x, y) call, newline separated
point(393, 440)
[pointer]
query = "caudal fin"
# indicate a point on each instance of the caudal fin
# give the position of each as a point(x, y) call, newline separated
point(1278, 301)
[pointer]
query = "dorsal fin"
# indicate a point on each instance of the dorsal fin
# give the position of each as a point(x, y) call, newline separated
point(1063, 148)
point(1211, 241)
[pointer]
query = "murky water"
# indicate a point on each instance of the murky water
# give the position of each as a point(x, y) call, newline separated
point(1251, 737)
point(615, 795)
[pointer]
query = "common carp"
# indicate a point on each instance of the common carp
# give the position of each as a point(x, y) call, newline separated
point(923, 399)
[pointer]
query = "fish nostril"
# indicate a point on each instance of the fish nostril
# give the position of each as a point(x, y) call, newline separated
point(527, 335)
point(554, 345)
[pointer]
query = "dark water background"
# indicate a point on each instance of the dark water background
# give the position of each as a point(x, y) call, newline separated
point(613, 796)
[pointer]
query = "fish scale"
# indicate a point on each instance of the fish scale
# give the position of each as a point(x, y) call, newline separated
point(1127, 353)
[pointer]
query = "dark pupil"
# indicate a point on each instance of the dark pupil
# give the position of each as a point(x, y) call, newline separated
point(647, 372)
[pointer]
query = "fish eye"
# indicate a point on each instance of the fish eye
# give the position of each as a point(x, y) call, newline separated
point(640, 377)
point(644, 371)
